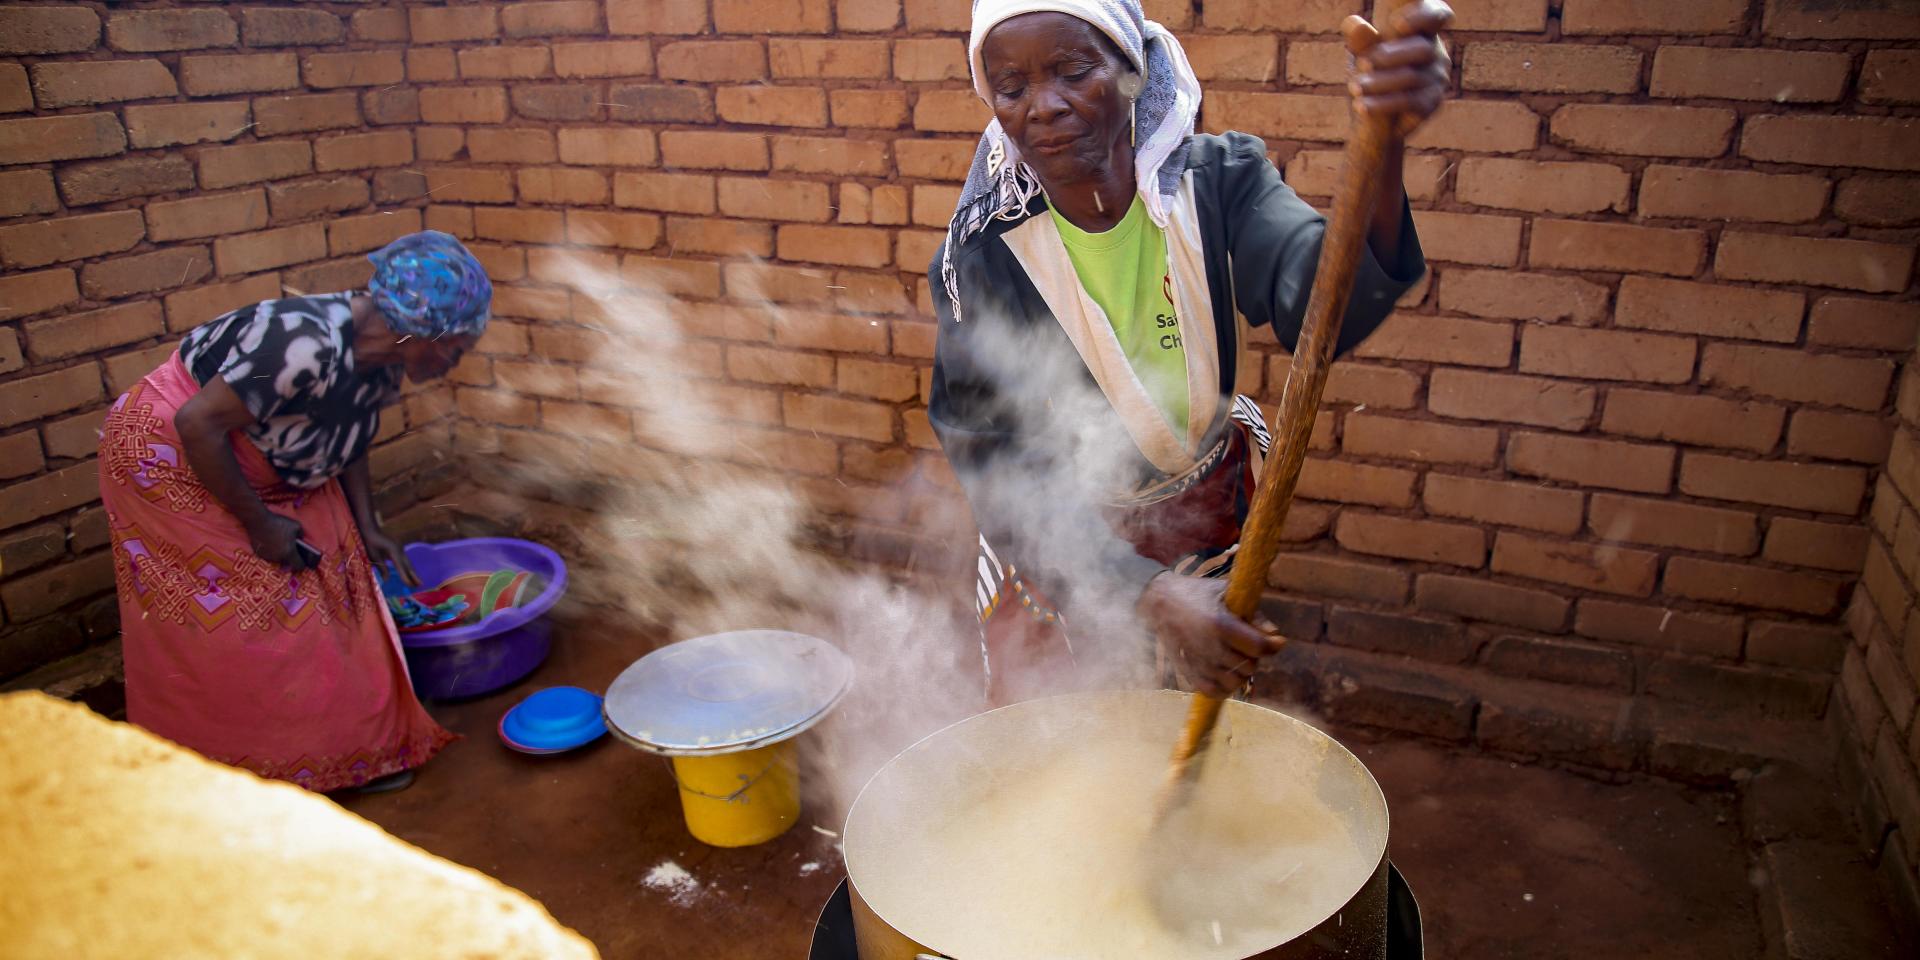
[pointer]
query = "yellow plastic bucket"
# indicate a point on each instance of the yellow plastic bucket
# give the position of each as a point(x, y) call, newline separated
point(740, 799)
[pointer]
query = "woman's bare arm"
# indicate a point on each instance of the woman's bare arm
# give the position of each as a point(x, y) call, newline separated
point(357, 481)
point(204, 423)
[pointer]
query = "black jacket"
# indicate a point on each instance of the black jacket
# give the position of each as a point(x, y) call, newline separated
point(999, 377)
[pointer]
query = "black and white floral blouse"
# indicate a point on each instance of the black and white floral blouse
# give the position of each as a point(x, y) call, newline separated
point(291, 362)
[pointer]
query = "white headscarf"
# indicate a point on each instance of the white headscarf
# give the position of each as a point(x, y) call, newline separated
point(999, 185)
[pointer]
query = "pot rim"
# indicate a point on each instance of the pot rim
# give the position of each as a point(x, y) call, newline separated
point(1375, 797)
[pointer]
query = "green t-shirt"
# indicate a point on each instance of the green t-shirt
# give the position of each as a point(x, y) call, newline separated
point(1125, 271)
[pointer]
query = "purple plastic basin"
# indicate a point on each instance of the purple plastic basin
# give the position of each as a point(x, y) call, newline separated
point(499, 650)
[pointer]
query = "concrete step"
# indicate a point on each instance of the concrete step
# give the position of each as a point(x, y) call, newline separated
point(1610, 730)
point(1712, 746)
point(96, 677)
point(1819, 901)
point(1786, 801)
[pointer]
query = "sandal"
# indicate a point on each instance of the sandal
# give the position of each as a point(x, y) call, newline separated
point(390, 783)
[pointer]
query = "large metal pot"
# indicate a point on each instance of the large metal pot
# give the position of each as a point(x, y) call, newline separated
point(1025, 834)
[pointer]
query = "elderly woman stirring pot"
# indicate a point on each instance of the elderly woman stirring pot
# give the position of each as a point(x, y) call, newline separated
point(237, 490)
point(1089, 293)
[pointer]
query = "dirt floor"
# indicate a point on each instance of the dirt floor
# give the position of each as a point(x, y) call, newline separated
point(1510, 860)
point(1507, 860)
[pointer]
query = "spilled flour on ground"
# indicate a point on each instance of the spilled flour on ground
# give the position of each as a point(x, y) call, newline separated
point(809, 868)
point(673, 880)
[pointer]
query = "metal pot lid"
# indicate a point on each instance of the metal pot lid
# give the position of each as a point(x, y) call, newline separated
point(727, 692)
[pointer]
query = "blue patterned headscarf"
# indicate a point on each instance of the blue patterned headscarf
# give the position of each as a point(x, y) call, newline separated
point(428, 285)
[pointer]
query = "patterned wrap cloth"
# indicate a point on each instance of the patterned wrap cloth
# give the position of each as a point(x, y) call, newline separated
point(428, 285)
point(296, 677)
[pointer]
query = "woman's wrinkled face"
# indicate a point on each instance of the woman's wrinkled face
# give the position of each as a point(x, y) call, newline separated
point(430, 358)
point(1054, 82)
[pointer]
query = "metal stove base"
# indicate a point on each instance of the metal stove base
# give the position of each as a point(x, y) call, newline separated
point(833, 934)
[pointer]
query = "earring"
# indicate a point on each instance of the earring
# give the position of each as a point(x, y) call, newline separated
point(1131, 85)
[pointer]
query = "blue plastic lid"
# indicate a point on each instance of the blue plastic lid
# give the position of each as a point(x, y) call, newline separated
point(552, 720)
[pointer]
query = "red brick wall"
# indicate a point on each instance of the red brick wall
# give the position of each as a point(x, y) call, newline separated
point(1877, 694)
point(1615, 454)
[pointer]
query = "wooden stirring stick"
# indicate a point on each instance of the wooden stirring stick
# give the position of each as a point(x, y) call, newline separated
point(1332, 287)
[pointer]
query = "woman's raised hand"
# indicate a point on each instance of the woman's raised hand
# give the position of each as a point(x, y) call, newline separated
point(1216, 650)
point(1406, 77)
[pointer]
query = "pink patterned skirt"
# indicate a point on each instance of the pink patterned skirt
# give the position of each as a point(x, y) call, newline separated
point(294, 677)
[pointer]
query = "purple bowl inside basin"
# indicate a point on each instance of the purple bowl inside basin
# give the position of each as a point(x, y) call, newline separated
point(483, 657)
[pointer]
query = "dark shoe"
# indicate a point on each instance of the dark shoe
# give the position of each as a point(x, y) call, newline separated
point(388, 784)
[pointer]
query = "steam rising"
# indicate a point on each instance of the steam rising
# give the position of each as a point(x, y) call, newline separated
point(706, 519)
